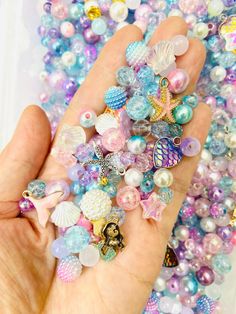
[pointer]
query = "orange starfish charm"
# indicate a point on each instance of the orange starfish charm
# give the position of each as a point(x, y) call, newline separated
point(164, 105)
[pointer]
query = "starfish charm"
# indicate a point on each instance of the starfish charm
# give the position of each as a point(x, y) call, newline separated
point(153, 207)
point(164, 105)
point(104, 162)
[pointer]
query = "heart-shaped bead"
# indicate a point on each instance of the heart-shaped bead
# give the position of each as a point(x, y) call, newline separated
point(166, 154)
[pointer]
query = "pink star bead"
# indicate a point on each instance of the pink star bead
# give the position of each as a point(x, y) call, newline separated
point(153, 207)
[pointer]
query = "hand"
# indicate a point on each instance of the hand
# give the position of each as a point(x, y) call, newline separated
point(28, 283)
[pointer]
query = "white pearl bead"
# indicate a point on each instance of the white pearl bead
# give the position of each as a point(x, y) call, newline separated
point(68, 59)
point(227, 90)
point(133, 4)
point(163, 178)
point(215, 7)
point(160, 284)
point(89, 256)
point(182, 233)
point(218, 73)
point(133, 177)
point(207, 224)
point(229, 203)
point(181, 44)
point(118, 11)
point(206, 156)
point(230, 140)
point(200, 30)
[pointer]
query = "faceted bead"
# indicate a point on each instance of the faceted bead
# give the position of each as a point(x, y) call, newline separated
point(165, 194)
point(128, 198)
point(217, 147)
point(89, 256)
point(110, 189)
point(69, 268)
point(183, 114)
point(76, 239)
point(221, 263)
point(59, 249)
point(115, 97)
point(142, 128)
point(160, 129)
point(125, 76)
point(113, 140)
point(146, 75)
point(138, 108)
point(190, 146)
point(25, 205)
point(175, 130)
point(84, 152)
point(143, 162)
point(37, 188)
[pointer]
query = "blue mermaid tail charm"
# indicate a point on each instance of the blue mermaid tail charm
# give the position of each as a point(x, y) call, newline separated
point(166, 154)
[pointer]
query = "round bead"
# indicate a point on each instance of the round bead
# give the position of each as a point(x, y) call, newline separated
point(178, 81)
point(87, 118)
point(76, 10)
point(133, 177)
point(136, 53)
point(99, 26)
point(58, 185)
point(189, 284)
point(215, 8)
point(212, 243)
point(68, 59)
point(113, 140)
point(59, 248)
point(25, 205)
point(118, 11)
point(69, 268)
point(115, 97)
point(218, 73)
point(95, 204)
point(128, 198)
point(89, 256)
point(163, 178)
point(181, 44)
point(160, 129)
point(200, 30)
point(142, 128)
point(37, 188)
point(136, 144)
point(207, 224)
point(133, 4)
point(67, 29)
point(76, 239)
point(183, 114)
point(221, 263)
point(190, 146)
point(138, 108)
point(125, 76)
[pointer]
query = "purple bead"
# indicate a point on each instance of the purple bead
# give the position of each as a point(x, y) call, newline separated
point(187, 211)
point(90, 37)
point(59, 249)
point(90, 53)
point(216, 194)
point(70, 87)
point(47, 7)
point(216, 210)
point(84, 21)
point(75, 172)
point(47, 58)
point(229, 3)
point(85, 179)
point(225, 233)
point(173, 285)
point(25, 205)
point(205, 276)
point(42, 31)
point(84, 152)
point(190, 146)
point(127, 159)
point(53, 33)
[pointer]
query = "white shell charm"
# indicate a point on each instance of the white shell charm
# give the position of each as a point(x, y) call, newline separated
point(66, 214)
point(104, 122)
point(70, 137)
point(161, 56)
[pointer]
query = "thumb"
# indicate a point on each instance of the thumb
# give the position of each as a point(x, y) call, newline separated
point(21, 160)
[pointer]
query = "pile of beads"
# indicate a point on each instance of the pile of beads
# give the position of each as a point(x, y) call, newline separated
point(217, 166)
point(142, 143)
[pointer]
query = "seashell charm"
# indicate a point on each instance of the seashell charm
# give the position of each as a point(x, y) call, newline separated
point(70, 137)
point(166, 154)
point(161, 56)
point(66, 214)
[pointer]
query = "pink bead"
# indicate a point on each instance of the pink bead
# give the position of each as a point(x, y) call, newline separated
point(69, 268)
point(57, 79)
point(173, 285)
point(212, 243)
point(58, 185)
point(113, 140)
point(67, 29)
point(25, 205)
point(232, 168)
point(143, 162)
point(142, 12)
point(128, 198)
point(59, 10)
point(202, 207)
point(187, 6)
point(190, 146)
point(218, 164)
point(200, 173)
point(212, 179)
point(181, 44)
point(179, 80)
point(83, 222)
point(231, 104)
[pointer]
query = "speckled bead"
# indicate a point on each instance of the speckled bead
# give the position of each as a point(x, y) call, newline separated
point(136, 54)
point(115, 97)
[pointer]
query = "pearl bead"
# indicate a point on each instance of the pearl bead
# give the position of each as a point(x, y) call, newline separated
point(133, 4)
point(118, 11)
point(218, 73)
point(133, 177)
point(67, 29)
point(201, 30)
point(128, 198)
point(181, 44)
point(99, 26)
point(136, 144)
point(205, 276)
point(215, 7)
point(163, 178)
point(207, 224)
point(178, 80)
point(89, 256)
point(230, 140)
point(182, 233)
point(160, 284)
point(68, 59)
point(183, 114)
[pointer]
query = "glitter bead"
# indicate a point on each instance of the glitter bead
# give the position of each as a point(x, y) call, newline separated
point(128, 198)
point(113, 140)
point(142, 128)
point(115, 97)
point(89, 256)
point(190, 146)
point(76, 239)
point(143, 162)
point(175, 130)
point(146, 75)
point(221, 263)
point(138, 108)
point(160, 129)
point(59, 249)
point(69, 268)
point(125, 76)
point(37, 188)
point(95, 204)
point(136, 54)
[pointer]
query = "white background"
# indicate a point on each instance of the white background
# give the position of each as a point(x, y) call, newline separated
point(20, 64)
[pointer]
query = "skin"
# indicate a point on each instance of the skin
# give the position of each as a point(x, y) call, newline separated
point(28, 283)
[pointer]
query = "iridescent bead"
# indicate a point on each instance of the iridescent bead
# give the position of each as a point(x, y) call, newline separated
point(76, 188)
point(178, 81)
point(160, 129)
point(138, 108)
point(37, 188)
point(113, 140)
point(163, 178)
point(146, 75)
point(128, 198)
point(67, 29)
point(76, 10)
point(217, 147)
point(201, 30)
point(133, 177)
point(89, 256)
point(25, 205)
point(215, 7)
point(191, 100)
point(189, 284)
point(58, 248)
point(136, 144)
point(125, 76)
point(143, 162)
point(175, 130)
point(136, 53)
point(69, 268)
point(58, 185)
point(183, 114)
point(165, 194)
point(147, 185)
point(115, 97)
point(227, 59)
point(142, 128)
point(217, 210)
point(99, 26)
point(205, 305)
point(76, 239)
point(118, 11)
point(181, 44)
point(221, 263)
point(190, 146)
point(110, 189)
point(212, 243)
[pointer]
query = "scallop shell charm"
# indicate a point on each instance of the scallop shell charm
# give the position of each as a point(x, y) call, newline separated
point(104, 122)
point(166, 154)
point(66, 214)
point(70, 137)
point(161, 56)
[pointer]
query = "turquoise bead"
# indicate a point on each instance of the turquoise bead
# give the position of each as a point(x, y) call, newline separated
point(37, 188)
point(99, 26)
point(115, 97)
point(183, 114)
point(76, 188)
point(221, 263)
point(76, 239)
point(190, 100)
point(125, 76)
point(189, 284)
point(138, 108)
point(110, 189)
point(76, 10)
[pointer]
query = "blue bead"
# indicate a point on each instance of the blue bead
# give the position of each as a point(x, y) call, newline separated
point(37, 188)
point(125, 76)
point(166, 195)
point(110, 189)
point(227, 59)
point(204, 305)
point(76, 239)
point(138, 108)
point(115, 97)
point(76, 188)
point(150, 89)
point(146, 75)
point(217, 147)
point(191, 100)
point(221, 263)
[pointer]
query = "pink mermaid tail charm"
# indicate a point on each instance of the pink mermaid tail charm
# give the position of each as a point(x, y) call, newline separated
point(43, 205)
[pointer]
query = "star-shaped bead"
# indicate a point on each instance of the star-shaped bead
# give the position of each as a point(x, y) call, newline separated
point(164, 105)
point(153, 207)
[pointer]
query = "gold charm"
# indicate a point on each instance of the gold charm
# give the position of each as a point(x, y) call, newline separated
point(233, 218)
point(227, 30)
point(170, 259)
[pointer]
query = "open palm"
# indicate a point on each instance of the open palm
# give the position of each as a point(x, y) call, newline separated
point(28, 283)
